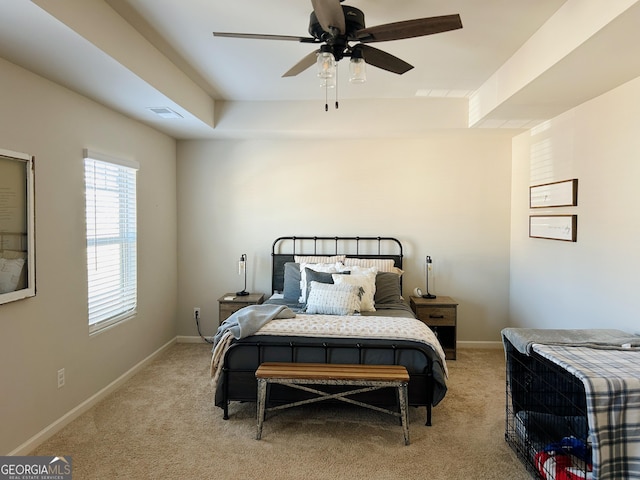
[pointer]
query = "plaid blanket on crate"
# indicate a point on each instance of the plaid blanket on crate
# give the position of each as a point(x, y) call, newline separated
point(611, 379)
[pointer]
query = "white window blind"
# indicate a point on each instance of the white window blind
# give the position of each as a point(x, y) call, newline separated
point(110, 193)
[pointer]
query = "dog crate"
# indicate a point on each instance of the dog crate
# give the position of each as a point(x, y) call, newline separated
point(546, 417)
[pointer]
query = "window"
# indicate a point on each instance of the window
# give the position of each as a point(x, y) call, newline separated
point(110, 204)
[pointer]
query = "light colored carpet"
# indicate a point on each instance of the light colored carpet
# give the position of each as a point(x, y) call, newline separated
point(162, 424)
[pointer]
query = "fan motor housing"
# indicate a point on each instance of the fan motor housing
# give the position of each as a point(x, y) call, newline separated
point(354, 21)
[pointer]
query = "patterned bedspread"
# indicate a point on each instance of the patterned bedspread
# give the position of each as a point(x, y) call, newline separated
point(611, 378)
point(337, 326)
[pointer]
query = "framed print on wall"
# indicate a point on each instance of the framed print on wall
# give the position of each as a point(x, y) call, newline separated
point(554, 227)
point(555, 194)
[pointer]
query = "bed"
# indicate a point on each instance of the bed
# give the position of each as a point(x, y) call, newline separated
point(316, 278)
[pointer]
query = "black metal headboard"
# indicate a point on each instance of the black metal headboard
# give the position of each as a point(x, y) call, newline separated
point(284, 250)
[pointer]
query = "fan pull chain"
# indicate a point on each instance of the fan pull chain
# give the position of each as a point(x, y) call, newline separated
point(326, 92)
point(326, 95)
point(336, 88)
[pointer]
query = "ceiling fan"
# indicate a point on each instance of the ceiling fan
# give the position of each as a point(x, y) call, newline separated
point(336, 26)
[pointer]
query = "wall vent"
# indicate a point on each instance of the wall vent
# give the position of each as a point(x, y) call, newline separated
point(164, 112)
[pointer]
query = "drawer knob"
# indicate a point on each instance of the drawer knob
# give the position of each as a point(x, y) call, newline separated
point(436, 316)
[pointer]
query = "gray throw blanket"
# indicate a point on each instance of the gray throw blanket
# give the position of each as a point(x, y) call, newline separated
point(249, 320)
point(523, 338)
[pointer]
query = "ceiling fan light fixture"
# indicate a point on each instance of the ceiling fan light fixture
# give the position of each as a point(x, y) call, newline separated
point(326, 63)
point(357, 70)
point(337, 26)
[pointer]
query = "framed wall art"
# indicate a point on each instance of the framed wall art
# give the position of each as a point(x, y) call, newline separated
point(555, 194)
point(554, 227)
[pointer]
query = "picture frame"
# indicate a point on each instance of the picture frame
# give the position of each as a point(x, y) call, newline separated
point(554, 227)
point(554, 194)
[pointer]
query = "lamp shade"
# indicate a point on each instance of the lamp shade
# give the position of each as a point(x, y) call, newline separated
point(357, 70)
point(242, 270)
point(430, 280)
point(326, 64)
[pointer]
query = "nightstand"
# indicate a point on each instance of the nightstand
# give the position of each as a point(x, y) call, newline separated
point(440, 315)
point(230, 303)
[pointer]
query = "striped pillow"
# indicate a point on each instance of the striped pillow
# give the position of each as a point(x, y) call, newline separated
point(381, 264)
point(318, 259)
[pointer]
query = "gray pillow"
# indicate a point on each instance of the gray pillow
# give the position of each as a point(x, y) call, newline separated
point(320, 277)
point(291, 290)
point(387, 288)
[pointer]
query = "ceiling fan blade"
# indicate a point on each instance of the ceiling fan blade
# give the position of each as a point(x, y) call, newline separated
point(330, 15)
point(409, 28)
point(258, 36)
point(302, 65)
point(386, 61)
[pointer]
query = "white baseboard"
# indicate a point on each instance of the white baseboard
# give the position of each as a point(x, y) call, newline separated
point(467, 344)
point(70, 416)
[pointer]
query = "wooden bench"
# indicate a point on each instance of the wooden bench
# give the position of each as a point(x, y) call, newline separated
point(365, 377)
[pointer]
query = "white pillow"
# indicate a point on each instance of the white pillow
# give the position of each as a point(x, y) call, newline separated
point(364, 278)
point(382, 264)
point(332, 299)
point(10, 271)
point(318, 267)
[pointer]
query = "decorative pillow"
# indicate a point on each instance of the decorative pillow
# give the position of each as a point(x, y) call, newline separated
point(291, 287)
point(10, 271)
point(318, 259)
point(318, 267)
point(381, 264)
point(364, 278)
point(320, 277)
point(333, 299)
point(388, 289)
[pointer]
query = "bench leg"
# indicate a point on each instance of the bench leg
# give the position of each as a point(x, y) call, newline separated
point(404, 411)
point(262, 399)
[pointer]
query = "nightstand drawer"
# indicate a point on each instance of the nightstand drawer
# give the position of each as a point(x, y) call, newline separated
point(437, 316)
point(226, 310)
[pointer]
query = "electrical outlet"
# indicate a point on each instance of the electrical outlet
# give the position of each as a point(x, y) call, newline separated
point(196, 313)
point(61, 378)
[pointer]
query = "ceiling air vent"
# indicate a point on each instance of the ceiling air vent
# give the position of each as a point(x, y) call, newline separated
point(165, 112)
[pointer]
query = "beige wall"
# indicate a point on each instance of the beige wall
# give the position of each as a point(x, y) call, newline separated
point(592, 283)
point(445, 195)
point(49, 331)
